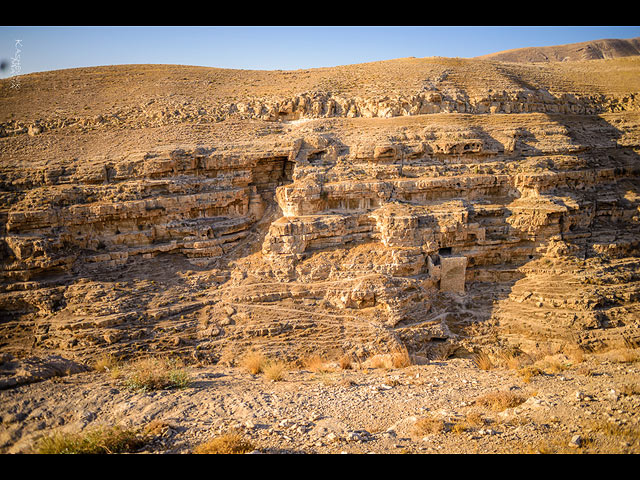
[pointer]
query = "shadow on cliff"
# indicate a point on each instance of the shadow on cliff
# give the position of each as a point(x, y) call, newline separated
point(609, 194)
point(592, 209)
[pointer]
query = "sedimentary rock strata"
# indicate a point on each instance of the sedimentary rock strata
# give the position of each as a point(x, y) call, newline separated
point(439, 221)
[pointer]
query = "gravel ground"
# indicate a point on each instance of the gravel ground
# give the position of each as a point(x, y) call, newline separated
point(590, 407)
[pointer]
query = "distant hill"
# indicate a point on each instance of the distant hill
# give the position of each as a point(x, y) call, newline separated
point(593, 50)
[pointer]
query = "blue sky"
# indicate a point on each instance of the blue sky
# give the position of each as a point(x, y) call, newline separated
point(271, 47)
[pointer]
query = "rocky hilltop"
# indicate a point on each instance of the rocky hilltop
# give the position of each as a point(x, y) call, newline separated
point(592, 50)
point(445, 206)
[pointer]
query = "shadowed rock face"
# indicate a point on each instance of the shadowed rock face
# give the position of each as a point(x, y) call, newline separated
point(439, 220)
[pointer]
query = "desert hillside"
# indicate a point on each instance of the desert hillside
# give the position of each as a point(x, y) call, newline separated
point(592, 50)
point(443, 209)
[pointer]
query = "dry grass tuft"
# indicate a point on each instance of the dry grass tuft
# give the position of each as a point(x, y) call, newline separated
point(499, 401)
point(542, 362)
point(528, 372)
point(585, 370)
point(514, 359)
point(630, 389)
point(106, 363)
point(575, 354)
point(400, 358)
point(253, 362)
point(622, 355)
point(155, 374)
point(483, 361)
point(629, 433)
point(551, 365)
point(602, 434)
point(228, 443)
point(475, 420)
point(316, 363)
point(345, 362)
point(377, 361)
point(96, 441)
point(428, 426)
point(274, 370)
point(156, 428)
point(470, 422)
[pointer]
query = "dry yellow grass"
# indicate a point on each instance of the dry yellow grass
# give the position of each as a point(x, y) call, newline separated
point(621, 433)
point(499, 401)
point(228, 443)
point(316, 363)
point(377, 361)
point(253, 362)
point(471, 421)
point(630, 389)
point(345, 362)
point(428, 426)
point(575, 354)
point(154, 374)
point(400, 358)
point(483, 361)
point(105, 363)
point(553, 365)
point(622, 355)
point(274, 370)
point(528, 372)
point(98, 440)
point(602, 436)
point(156, 427)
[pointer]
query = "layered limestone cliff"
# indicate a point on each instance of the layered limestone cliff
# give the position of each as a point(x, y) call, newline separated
point(442, 221)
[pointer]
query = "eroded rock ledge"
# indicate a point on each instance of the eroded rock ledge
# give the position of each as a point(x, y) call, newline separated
point(315, 105)
point(413, 233)
point(442, 221)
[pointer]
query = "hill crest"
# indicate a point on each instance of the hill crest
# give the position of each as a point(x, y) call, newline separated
point(591, 50)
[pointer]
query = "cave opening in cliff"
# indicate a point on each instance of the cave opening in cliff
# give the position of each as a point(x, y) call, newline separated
point(273, 172)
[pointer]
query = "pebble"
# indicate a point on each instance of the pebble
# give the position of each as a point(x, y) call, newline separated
point(332, 437)
point(352, 437)
point(576, 441)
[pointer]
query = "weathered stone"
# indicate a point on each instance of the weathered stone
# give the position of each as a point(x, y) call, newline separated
point(352, 220)
point(452, 275)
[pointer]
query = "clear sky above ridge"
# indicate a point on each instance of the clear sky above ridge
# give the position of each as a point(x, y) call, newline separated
point(28, 49)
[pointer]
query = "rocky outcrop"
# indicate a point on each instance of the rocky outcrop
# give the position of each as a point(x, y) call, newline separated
point(328, 105)
point(434, 222)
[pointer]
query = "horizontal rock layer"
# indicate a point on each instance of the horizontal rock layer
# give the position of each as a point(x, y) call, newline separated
point(436, 231)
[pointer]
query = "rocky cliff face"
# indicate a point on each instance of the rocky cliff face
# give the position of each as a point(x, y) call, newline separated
point(440, 221)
